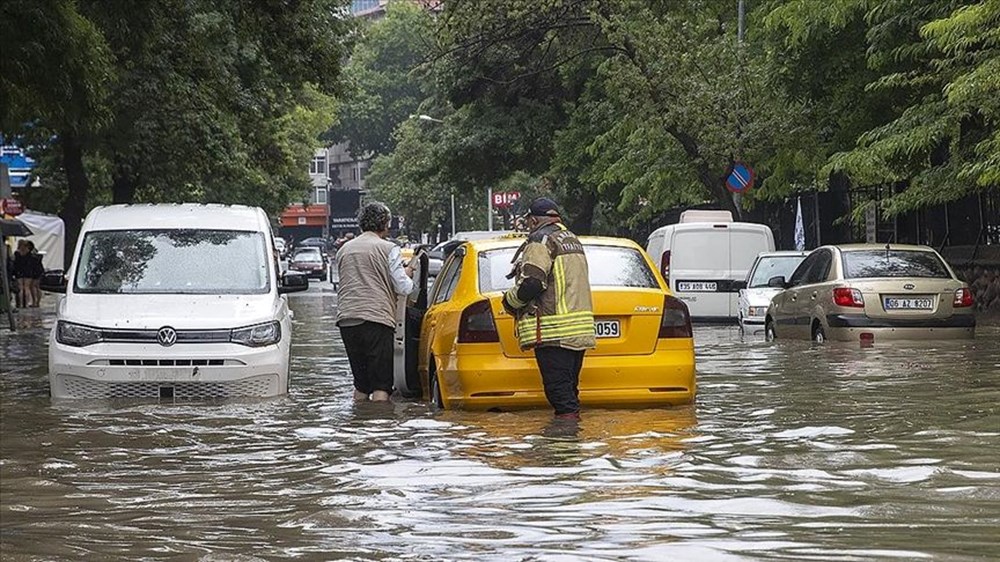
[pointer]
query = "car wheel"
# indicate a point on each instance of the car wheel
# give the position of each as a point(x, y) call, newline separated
point(819, 336)
point(769, 334)
point(435, 390)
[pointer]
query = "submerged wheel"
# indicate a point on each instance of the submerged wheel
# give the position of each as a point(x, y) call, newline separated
point(819, 336)
point(435, 389)
point(769, 334)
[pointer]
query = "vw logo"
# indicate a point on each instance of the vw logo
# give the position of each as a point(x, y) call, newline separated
point(909, 286)
point(167, 336)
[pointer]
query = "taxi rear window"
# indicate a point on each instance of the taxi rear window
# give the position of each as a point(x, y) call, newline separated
point(609, 266)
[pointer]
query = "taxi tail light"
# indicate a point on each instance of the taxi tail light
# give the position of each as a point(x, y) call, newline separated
point(665, 266)
point(963, 298)
point(845, 296)
point(477, 325)
point(676, 321)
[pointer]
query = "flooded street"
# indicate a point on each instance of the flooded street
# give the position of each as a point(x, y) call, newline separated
point(793, 451)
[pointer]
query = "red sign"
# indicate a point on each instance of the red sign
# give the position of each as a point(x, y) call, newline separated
point(505, 199)
point(11, 207)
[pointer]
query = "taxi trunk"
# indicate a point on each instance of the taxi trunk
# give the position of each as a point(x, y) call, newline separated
point(627, 322)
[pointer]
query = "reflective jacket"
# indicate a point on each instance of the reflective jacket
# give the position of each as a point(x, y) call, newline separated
point(550, 299)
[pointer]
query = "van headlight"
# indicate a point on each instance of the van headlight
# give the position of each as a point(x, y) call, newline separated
point(258, 335)
point(76, 335)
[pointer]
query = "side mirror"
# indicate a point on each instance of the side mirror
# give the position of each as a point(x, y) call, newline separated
point(292, 282)
point(53, 281)
point(739, 285)
point(777, 282)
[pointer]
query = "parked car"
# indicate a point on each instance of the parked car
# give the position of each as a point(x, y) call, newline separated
point(310, 262)
point(755, 297)
point(469, 355)
point(871, 292)
point(172, 302)
point(705, 258)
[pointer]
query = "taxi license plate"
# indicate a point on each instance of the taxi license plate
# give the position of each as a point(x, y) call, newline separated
point(608, 328)
point(908, 303)
point(697, 286)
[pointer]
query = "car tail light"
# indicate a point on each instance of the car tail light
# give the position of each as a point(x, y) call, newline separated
point(675, 322)
point(844, 296)
point(477, 325)
point(963, 298)
point(665, 266)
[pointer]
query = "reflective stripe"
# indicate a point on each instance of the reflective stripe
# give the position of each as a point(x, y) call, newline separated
point(513, 300)
point(559, 272)
point(555, 322)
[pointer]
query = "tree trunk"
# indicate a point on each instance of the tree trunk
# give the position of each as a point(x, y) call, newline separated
point(122, 186)
point(583, 217)
point(75, 205)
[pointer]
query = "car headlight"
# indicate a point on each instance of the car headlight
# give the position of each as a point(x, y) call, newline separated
point(258, 335)
point(758, 310)
point(76, 335)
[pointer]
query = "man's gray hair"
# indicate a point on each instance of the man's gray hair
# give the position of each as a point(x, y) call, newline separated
point(374, 217)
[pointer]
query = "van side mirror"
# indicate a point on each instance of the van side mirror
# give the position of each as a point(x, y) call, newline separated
point(293, 282)
point(53, 281)
point(777, 282)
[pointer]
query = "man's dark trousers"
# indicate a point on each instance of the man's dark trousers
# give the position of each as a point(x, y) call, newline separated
point(369, 350)
point(560, 370)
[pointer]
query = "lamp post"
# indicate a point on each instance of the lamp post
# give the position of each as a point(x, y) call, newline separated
point(423, 117)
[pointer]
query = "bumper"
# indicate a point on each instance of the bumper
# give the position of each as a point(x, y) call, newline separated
point(849, 327)
point(182, 372)
point(491, 381)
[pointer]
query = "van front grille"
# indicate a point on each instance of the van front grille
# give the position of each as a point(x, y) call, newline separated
point(84, 388)
point(165, 362)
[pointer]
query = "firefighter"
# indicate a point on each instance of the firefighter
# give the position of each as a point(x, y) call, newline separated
point(552, 304)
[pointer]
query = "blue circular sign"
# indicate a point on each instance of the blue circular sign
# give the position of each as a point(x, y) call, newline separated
point(740, 180)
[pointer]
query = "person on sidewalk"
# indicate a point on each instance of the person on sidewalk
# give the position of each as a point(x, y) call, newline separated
point(372, 276)
point(552, 304)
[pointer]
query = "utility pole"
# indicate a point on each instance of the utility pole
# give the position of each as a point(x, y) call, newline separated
point(740, 26)
point(453, 214)
point(489, 208)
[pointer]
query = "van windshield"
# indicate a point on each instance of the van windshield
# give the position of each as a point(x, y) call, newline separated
point(609, 266)
point(173, 262)
point(773, 266)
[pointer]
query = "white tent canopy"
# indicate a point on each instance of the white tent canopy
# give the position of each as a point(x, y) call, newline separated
point(49, 237)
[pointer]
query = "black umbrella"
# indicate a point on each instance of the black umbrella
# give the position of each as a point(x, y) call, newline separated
point(14, 227)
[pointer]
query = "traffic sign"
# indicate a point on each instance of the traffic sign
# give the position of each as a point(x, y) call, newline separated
point(505, 199)
point(740, 180)
point(11, 206)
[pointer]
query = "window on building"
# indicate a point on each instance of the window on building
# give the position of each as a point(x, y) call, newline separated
point(318, 165)
point(321, 196)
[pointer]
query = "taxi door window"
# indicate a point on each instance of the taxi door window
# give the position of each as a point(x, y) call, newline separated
point(444, 286)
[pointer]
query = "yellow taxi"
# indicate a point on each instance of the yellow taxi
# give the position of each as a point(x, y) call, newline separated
point(469, 358)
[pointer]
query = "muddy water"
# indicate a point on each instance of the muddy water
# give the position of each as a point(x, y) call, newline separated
point(792, 452)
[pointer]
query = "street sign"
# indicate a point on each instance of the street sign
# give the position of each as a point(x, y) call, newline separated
point(740, 180)
point(11, 206)
point(505, 199)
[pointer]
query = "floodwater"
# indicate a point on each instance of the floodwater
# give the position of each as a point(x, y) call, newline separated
point(793, 451)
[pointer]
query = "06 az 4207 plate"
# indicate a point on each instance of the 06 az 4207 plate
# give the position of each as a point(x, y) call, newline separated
point(908, 303)
point(699, 286)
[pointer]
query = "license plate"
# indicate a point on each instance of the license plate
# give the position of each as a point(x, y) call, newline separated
point(697, 286)
point(608, 328)
point(908, 303)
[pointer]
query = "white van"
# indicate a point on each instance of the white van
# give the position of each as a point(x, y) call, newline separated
point(705, 258)
point(172, 302)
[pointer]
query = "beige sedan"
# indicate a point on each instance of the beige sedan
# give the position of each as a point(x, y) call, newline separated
point(870, 292)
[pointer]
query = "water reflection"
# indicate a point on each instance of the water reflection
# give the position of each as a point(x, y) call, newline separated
point(792, 451)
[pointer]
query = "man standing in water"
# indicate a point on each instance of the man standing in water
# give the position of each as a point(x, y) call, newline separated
point(372, 276)
point(552, 305)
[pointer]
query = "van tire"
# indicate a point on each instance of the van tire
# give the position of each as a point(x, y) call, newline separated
point(818, 334)
point(435, 388)
point(769, 334)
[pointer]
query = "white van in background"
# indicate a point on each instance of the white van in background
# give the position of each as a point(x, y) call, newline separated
point(705, 259)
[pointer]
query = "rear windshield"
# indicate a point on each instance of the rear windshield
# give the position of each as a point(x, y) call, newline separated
point(893, 263)
point(308, 256)
point(609, 266)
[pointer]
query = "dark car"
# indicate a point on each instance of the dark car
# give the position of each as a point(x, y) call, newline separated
point(309, 261)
